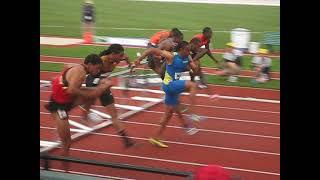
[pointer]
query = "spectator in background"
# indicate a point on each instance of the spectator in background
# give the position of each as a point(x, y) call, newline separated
point(214, 172)
point(232, 63)
point(88, 21)
point(262, 64)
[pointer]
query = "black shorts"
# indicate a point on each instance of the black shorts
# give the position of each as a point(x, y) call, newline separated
point(53, 106)
point(61, 109)
point(106, 98)
point(265, 70)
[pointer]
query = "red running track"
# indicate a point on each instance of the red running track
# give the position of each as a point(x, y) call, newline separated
point(216, 89)
point(239, 135)
point(56, 59)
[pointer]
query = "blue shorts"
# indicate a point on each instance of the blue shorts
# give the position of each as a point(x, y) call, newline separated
point(173, 90)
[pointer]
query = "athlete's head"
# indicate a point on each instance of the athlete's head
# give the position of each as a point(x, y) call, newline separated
point(115, 53)
point(177, 35)
point(183, 48)
point(207, 32)
point(195, 44)
point(93, 64)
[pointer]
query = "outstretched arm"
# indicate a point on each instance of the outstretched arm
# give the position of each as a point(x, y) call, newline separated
point(209, 53)
point(155, 51)
point(200, 54)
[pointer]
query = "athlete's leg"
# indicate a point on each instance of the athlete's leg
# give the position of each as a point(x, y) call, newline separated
point(63, 130)
point(192, 89)
point(164, 121)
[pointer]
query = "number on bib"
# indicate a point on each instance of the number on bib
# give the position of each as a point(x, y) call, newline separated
point(177, 76)
point(96, 80)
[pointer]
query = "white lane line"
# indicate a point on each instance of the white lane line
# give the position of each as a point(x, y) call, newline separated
point(186, 144)
point(210, 85)
point(201, 95)
point(138, 98)
point(204, 130)
point(208, 117)
point(233, 108)
point(201, 130)
point(171, 161)
point(226, 119)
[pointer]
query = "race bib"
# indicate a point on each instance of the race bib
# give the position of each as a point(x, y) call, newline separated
point(96, 80)
point(177, 76)
point(62, 114)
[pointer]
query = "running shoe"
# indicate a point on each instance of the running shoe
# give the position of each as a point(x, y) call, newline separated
point(157, 143)
point(192, 131)
point(183, 108)
point(195, 117)
point(202, 86)
point(233, 79)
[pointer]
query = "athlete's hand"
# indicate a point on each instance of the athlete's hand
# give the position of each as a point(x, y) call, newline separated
point(132, 68)
point(105, 84)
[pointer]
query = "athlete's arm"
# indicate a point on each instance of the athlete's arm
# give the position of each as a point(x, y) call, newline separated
point(193, 65)
point(75, 82)
point(127, 60)
point(209, 52)
point(67, 66)
point(157, 52)
point(200, 54)
point(165, 45)
point(162, 38)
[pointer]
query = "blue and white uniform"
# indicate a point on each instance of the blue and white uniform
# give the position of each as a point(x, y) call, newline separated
point(172, 86)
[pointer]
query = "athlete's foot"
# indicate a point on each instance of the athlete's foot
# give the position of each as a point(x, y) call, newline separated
point(157, 143)
point(128, 142)
point(202, 86)
point(183, 109)
point(192, 130)
point(195, 117)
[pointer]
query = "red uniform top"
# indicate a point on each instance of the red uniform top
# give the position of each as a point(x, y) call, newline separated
point(203, 41)
point(155, 38)
point(59, 88)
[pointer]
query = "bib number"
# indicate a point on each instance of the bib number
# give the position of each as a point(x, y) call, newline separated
point(177, 76)
point(62, 114)
point(96, 80)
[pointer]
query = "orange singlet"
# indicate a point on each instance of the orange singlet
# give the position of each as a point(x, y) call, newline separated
point(203, 41)
point(161, 35)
